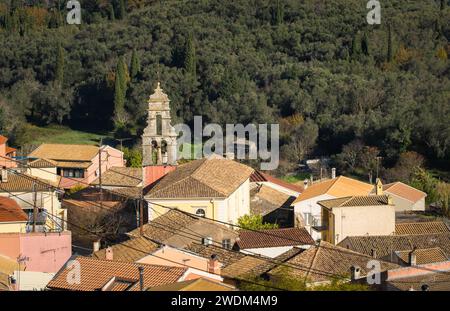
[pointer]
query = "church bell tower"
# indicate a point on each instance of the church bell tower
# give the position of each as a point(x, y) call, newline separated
point(159, 140)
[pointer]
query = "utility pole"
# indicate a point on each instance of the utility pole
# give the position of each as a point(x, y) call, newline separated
point(34, 206)
point(100, 172)
point(121, 140)
point(141, 215)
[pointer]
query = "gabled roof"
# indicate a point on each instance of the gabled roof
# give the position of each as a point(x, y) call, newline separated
point(24, 183)
point(42, 163)
point(129, 250)
point(96, 274)
point(274, 238)
point(326, 261)
point(204, 178)
point(165, 226)
point(423, 256)
point(404, 191)
point(121, 177)
point(356, 201)
point(264, 200)
point(65, 152)
point(385, 245)
point(436, 281)
point(201, 284)
point(338, 187)
point(8, 150)
point(259, 176)
point(10, 211)
point(424, 227)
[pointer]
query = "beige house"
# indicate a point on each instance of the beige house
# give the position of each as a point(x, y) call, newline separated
point(308, 212)
point(357, 216)
point(405, 198)
point(215, 188)
point(26, 189)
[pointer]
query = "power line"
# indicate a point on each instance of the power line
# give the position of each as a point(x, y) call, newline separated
point(214, 220)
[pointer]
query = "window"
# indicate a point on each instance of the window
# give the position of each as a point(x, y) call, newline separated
point(200, 212)
point(73, 173)
point(158, 124)
point(226, 243)
point(307, 217)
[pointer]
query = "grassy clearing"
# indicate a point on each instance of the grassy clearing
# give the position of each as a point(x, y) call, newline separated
point(296, 177)
point(60, 135)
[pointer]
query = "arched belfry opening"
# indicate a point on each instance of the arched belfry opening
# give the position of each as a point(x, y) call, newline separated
point(159, 140)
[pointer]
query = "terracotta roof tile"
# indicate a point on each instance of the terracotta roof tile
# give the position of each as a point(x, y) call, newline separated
point(423, 256)
point(274, 238)
point(435, 282)
point(402, 190)
point(24, 183)
point(368, 200)
point(387, 244)
point(200, 284)
point(338, 187)
point(130, 250)
point(3, 139)
point(425, 227)
point(121, 177)
point(42, 163)
point(8, 150)
point(95, 275)
point(10, 211)
point(326, 261)
point(65, 152)
point(201, 178)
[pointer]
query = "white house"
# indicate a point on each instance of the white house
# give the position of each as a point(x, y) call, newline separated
point(405, 197)
point(308, 212)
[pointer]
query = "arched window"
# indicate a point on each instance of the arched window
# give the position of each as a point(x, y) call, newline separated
point(158, 124)
point(200, 212)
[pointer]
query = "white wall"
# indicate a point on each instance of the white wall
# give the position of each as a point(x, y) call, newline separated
point(271, 252)
point(28, 280)
point(401, 204)
point(311, 206)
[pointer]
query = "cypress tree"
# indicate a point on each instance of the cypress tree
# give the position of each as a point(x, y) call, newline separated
point(112, 16)
point(443, 5)
point(190, 64)
point(355, 47)
point(135, 65)
point(120, 88)
point(390, 53)
point(279, 13)
point(122, 9)
point(59, 73)
point(365, 44)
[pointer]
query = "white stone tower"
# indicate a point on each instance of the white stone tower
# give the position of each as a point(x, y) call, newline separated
point(159, 140)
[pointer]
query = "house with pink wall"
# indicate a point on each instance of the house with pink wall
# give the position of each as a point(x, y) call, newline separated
point(40, 252)
point(78, 164)
point(6, 153)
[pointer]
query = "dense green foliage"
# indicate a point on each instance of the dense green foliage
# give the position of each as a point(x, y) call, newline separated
point(386, 86)
point(254, 222)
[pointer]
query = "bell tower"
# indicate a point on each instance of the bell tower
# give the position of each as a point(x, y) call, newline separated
point(159, 140)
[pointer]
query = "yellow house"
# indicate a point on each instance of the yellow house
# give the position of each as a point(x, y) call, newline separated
point(357, 216)
point(26, 189)
point(215, 187)
point(12, 218)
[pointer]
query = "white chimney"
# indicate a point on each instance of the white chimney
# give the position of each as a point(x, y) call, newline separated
point(4, 174)
point(333, 173)
point(355, 273)
point(305, 184)
point(96, 246)
point(412, 258)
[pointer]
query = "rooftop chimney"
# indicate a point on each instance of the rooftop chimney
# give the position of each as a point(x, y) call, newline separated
point(305, 184)
point(96, 246)
point(374, 253)
point(214, 265)
point(412, 257)
point(333, 173)
point(141, 278)
point(109, 253)
point(355, 273)
point(4, 174)
point(379, 187)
